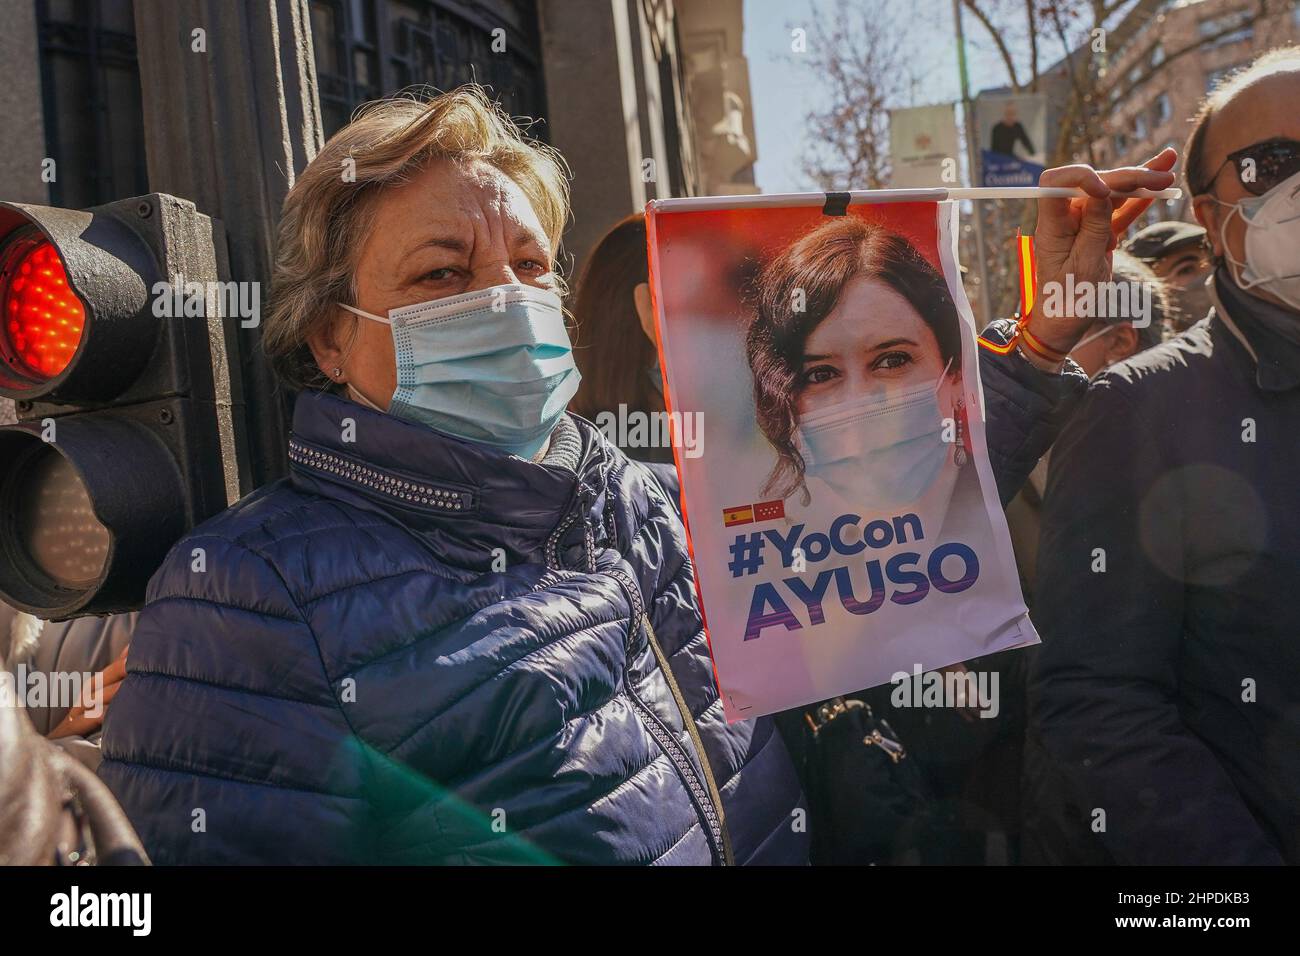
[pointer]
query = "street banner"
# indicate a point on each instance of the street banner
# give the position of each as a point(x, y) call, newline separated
point(1012, 129)
point(923, 146)
point(843, 519)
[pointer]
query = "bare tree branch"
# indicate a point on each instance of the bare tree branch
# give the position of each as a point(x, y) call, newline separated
point(992, 30)
point(1031, 19)
point(863, 72)
point(1261, 11)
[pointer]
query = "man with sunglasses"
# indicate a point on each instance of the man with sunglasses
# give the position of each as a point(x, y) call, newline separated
point(1168, 687)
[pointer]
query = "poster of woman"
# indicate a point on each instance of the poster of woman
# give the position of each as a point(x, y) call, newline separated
point(843, 518)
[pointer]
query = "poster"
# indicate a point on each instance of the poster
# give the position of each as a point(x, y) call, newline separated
point(1012, 136)
point(843, 519)
point(923, 146)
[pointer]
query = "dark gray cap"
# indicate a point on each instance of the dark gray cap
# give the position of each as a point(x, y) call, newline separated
point(1162, 238)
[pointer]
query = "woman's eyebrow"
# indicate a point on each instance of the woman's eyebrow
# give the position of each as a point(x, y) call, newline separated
point(445, 242)
point(528, 237)
point(887, 344)
point(890, 343)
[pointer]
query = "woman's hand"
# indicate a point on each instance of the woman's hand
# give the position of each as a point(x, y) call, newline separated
point(1078, 236)
point(88, 716)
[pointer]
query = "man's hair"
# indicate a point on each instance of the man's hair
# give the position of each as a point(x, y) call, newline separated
point(330, 209)
point(1283, 59)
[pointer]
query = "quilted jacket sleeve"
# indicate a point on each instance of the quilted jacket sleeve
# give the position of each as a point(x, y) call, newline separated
point(227, 743)
point(1026, 409)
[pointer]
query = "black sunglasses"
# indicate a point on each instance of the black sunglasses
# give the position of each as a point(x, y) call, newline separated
point(1271, 162)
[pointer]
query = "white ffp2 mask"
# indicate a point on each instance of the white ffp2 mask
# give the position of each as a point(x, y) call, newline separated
point(1272, 241)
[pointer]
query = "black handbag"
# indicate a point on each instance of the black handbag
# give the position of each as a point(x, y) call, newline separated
point(863, 790)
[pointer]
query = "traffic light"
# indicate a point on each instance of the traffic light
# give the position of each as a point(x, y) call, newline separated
point(121, 444)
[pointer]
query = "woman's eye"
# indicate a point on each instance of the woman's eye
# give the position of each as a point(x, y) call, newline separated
point(892, 360)
point(819, 374)
point(440, 275)
point(534, 266)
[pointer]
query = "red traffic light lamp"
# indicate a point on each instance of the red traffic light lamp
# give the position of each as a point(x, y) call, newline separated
point(43, 318)
point(119, 447)
point(74, 293)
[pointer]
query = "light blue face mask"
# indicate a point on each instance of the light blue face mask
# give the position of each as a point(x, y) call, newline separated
point(493, 366)
point(877, 451)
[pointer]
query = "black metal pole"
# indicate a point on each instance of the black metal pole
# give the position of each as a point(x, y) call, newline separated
point(231, 114)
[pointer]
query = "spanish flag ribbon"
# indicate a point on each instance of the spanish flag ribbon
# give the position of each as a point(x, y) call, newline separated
point(1028, 270)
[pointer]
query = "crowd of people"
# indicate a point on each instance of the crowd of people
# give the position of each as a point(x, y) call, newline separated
point(464, 629)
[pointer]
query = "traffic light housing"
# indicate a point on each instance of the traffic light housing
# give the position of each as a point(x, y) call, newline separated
point(124, 440)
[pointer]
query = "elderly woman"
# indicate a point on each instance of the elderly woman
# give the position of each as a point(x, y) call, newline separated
point(463, 629)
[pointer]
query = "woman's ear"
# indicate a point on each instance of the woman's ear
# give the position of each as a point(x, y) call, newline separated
point(644, 309)
point(1123, 344)
point(951, 375)
point(326, 347)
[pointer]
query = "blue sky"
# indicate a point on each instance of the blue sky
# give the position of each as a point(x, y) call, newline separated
point(781, 89)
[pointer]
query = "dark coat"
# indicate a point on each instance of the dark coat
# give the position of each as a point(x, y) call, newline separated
point(1166, 691)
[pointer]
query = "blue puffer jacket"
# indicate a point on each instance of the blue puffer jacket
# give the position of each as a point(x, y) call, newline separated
point(413, 650)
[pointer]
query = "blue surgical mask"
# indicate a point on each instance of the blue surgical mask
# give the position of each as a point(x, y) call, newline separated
point(493, 366)
point(877, 451)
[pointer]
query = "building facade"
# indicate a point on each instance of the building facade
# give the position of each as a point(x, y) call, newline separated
point(1154, 83)
point(645, 98)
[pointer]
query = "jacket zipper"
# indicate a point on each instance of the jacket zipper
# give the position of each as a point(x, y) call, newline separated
point(650, 720)
point(699, 793)
point(667, 741)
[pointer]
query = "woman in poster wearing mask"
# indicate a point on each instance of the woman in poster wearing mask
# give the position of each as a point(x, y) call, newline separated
point(855, 390)
point(859, 392)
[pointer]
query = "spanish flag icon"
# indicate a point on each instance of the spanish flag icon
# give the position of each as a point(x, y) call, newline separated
point(744, 514)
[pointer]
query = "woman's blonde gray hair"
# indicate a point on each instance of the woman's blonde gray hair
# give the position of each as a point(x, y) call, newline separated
point(329, 211)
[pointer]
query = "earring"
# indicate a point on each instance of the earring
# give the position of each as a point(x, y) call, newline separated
point(959, 457)
point(337, 371)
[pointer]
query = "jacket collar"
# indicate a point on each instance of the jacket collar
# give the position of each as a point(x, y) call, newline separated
point(1277, 359)
point(466, 498)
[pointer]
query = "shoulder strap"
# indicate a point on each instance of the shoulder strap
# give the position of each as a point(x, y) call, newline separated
point(689, 722)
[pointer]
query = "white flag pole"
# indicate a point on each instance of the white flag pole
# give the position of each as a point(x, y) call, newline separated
point(840, 201)
point(1054, 192)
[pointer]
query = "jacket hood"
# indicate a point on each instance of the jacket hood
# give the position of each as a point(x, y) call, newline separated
point(466, 499)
